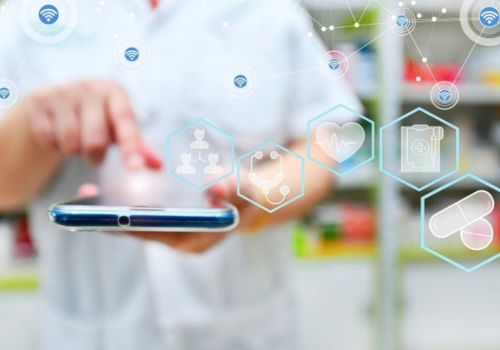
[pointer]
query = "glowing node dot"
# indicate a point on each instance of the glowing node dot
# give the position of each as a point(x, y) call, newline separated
point(419, 15)
point(98, 10)
point(356, 25)
point(225, 24)
point(400, 4)
point(101, 3)
point(434, 19)
point(424, 59)
point(310, 34)
point(323, 29)
point(2, 8)
point(418, 79)
point(331, 27)
point(444, 10)
point(413, 3)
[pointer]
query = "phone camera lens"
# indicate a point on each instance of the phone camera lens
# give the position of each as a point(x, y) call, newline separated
point(124, 221)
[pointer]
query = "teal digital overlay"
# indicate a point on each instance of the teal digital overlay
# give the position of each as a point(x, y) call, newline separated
point(343, 168)
point(423, 222)
point(192, 126)
point(439, 177)
point(271, 144)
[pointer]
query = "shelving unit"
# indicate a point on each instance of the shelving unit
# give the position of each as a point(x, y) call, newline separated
point(19, 278)
point(379, 255)
point(398, 249)
point(471, 94)
point(16, 274)
point(474, 114)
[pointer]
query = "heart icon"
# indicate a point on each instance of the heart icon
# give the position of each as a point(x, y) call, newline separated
point(340, 142)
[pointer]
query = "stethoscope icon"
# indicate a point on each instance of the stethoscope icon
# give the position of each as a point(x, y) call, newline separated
point(266, 185)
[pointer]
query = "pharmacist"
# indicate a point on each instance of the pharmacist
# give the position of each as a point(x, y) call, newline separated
point(80, 118)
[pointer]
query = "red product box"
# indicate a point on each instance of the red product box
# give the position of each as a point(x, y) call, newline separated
point(437, 71)
point(358, 223)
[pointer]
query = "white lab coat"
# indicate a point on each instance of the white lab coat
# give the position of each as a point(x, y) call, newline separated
point(108, 292)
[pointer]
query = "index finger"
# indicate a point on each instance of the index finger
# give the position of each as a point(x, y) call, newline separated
point(125, 127)
point(88, 190)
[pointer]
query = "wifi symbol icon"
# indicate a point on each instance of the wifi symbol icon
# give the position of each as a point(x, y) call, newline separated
point(334, 64)
point(444, 95)
point(402, 21)
point(48, 14)
point(4, 93)
point(132, 54)
point(240, 81)
point(489, 17)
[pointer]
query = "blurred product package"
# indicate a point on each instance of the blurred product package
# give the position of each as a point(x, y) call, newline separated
point(346, 228)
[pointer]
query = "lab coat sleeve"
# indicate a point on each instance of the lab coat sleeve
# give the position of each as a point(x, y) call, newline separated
point(312, 92)
point(13, 48)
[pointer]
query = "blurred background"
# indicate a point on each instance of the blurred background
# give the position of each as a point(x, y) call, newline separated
point(361, 279)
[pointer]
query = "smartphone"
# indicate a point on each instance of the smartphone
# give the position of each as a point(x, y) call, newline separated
point(91, 214)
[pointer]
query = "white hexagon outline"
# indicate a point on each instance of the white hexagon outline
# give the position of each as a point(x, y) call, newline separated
point(407, 183)
point(293, 154)
point(182, 130)
point(323, 165)
point(423, 225)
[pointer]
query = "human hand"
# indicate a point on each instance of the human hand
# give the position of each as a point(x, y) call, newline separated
point(251, 220)
point(85, 118)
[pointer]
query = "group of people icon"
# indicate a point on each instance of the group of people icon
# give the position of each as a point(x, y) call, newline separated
point(199, 145)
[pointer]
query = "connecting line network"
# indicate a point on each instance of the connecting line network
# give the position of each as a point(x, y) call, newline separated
point(48, 23)
point(350, 145)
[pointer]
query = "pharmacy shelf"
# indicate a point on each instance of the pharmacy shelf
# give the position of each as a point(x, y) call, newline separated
point(340, 250)
point(413, 253)
point(19, 276)
point(434, 7)
point(463, 186)
point(470, 94)
point(355, 5)
point(425, 6)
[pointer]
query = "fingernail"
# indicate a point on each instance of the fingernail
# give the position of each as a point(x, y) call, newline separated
point(135, 161)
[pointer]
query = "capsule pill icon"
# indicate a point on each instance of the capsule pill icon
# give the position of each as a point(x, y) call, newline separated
point(466, 216)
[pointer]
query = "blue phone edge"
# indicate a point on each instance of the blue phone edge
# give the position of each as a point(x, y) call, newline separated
point(225, 219)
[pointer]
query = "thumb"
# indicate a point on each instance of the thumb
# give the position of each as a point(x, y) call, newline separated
point(227, 191)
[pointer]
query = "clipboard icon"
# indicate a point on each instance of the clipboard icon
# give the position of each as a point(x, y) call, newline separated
point(421, 148)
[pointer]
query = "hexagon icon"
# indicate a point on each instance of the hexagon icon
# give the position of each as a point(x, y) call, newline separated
point(427, 146)
point(459, 221)
point(263, 180)
point(200, 154)
point(341, 140)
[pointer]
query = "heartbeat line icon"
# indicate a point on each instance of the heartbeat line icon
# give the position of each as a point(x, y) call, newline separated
point(339, 142)
point(334, 143)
